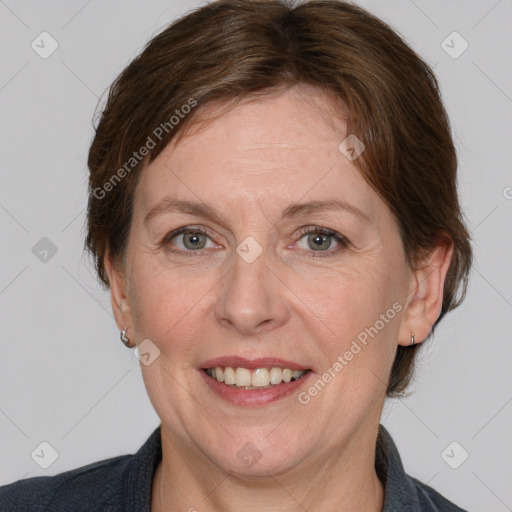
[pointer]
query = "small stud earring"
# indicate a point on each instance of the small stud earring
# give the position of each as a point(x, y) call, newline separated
point(412, 338)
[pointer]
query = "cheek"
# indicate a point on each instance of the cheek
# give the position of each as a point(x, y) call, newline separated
point(168, 304)
point(356, 303)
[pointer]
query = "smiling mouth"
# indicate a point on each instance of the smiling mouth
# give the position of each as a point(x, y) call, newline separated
point(257, 378)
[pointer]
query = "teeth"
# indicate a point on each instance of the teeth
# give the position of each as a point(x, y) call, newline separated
point(219, 374)
point(260, 377)
point(229, 376)
point(276, 376)
point(257, 378)
point(242, 377)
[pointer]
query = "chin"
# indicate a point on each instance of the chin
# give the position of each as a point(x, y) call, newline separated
point(258, 458)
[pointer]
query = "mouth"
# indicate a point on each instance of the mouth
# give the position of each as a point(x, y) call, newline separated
point(251, 382)
point(254, 378)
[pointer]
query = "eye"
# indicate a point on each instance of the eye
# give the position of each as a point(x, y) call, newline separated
point(320, 240)
point(188, 239)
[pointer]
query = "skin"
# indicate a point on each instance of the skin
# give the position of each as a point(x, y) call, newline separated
point(249, 164)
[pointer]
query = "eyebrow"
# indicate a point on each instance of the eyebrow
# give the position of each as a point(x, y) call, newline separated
point(171, 205)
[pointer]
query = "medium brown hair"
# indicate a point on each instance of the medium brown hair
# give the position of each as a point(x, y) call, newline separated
point(229, 50)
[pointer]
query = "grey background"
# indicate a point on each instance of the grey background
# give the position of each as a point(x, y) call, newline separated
point(65, 378)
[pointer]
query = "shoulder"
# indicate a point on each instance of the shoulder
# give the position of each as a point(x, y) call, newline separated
point(95, 487)
point(118, 484)
point(403, 492)
point(431, 500)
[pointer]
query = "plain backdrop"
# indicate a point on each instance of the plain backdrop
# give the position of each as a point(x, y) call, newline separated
point(67, 380)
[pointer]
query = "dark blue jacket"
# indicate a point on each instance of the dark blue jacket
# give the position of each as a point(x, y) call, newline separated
point(124, 483)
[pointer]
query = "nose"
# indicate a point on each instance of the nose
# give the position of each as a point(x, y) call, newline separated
point(252, 299)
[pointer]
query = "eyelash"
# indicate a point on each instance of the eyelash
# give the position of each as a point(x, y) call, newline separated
point(342, 241)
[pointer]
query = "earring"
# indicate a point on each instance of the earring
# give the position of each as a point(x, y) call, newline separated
point(125, 338)
point(412, 338)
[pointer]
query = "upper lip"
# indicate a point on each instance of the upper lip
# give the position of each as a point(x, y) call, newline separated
point(260, 362)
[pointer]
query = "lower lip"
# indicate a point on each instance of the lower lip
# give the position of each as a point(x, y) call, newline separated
point(252, 397)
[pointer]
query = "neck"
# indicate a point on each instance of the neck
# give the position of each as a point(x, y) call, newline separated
point(186, 481)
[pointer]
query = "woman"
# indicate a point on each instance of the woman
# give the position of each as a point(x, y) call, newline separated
point(273, 206)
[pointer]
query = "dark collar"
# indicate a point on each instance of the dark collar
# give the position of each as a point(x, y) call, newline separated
point(399, 491)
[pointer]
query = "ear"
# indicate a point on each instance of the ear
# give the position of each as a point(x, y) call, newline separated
point(118, 293)
point(426, 295)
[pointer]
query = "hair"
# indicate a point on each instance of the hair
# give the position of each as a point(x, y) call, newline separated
point(226, 51)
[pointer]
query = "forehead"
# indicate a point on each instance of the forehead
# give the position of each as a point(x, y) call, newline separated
point(276, 149)
point(300, 116)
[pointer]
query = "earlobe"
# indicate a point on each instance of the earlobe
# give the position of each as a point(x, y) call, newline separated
point(426, 296)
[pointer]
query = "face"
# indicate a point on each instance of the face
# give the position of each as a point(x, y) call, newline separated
point(243, 275)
